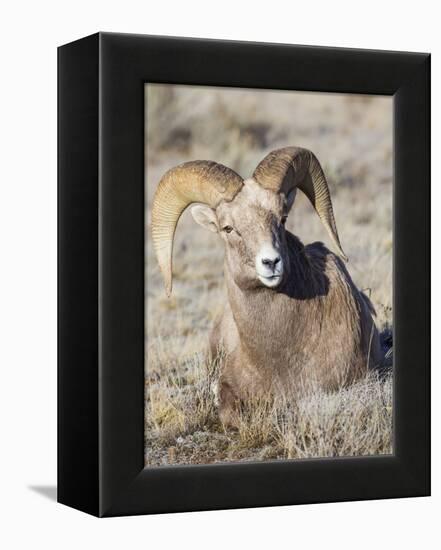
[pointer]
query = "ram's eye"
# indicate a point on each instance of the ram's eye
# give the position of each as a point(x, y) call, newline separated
point(284, 218)
point(228, 229)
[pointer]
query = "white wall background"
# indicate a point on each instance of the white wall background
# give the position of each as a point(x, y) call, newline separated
point(30, 33)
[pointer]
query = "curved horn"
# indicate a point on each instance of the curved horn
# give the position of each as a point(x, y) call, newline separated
point(289, 167)
point(199, 181)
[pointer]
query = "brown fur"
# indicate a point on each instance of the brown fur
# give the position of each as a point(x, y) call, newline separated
point(314, 329)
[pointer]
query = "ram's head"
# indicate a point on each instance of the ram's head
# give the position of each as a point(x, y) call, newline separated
point(249, 215)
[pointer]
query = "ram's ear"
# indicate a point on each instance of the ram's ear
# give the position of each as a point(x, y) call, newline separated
point(291, 197)
point(205, 216)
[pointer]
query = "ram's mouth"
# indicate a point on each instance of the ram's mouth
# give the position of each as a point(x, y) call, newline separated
point(270, 281)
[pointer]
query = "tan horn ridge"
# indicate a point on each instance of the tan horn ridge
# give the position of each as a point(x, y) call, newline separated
point(196, 181)
point(283, 169)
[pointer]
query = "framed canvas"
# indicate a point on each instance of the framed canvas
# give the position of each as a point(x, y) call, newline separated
point(197, 396)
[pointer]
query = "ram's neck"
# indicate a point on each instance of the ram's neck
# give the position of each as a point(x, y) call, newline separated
point(266, 319)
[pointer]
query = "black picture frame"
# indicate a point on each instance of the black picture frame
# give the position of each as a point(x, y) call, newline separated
point(101, 274)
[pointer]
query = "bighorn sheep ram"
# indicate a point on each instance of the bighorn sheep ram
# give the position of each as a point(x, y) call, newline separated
point(293, 314)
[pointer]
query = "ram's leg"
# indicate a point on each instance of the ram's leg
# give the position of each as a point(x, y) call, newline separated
point(229, 404)
point(224, 346)
point(215, 344)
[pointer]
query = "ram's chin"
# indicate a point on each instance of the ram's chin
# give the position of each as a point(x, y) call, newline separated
point(271, 282)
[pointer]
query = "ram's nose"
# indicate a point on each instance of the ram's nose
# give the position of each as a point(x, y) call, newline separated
point(269, 266)
point(271, 262)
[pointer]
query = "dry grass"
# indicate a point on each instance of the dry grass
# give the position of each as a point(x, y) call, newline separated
point(352, 137)
point(182, 425)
